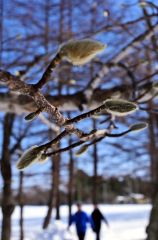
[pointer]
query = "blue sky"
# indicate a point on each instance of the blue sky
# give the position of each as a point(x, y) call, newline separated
point(108, 155)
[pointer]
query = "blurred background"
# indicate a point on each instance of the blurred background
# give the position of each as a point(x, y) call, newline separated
point(112, 172)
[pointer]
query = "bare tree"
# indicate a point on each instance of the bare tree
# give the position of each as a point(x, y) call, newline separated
point(122, 73)
point(70, 180)
point(21, 204)
point(7, 198)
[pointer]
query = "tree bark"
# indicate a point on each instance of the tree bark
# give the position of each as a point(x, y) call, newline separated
point(70, 183)
point(7, 200)
point(153, 155)
point(21, 220)
point(50, 201)
point(57, 186)
point(152, 229)
point(65, 102)
point(53, 192)
point(95, 171)
point(58, 205)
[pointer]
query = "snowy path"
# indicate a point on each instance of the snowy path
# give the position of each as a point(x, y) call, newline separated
point(127, 222)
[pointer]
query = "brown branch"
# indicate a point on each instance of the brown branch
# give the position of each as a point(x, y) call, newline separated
point(15, 84)
point(65, 149)
point(47, 74)
point(153, 111)
point(129, 73)
point(76, 144)
point(54, 141)
point(94, 83)
point(116, 24)
point(11, 102)
point(86, 115)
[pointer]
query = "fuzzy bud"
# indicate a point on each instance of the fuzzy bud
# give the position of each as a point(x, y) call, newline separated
point(82, 150)
point(79, 52)
point(43, 158)
point(31, 116)
point(30, 156)
point(155, 85)
point(142, 4)
point(138, 127)
point(119, 107)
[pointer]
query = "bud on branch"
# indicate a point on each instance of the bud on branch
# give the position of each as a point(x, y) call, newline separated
point(119, 107)
point(138, 127)
point(79, 52)
point(31, 155)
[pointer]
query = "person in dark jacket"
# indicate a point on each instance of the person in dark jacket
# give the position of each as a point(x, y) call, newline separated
point(80, 218)
point(97, 218)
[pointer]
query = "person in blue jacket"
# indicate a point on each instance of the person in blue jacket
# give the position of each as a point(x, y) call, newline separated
point(80, 218)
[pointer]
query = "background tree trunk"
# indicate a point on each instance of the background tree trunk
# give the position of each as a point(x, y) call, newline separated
point(7, 200)
point(50, 201)
point(53, 192)
point(95, 171)
point(152, 229)
point(21, 220)
point(57, 184)
point(70, 183)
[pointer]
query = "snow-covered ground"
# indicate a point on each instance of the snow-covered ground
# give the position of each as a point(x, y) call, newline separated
point(127, 222)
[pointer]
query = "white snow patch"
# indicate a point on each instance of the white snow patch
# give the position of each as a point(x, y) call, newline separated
point(127, 222)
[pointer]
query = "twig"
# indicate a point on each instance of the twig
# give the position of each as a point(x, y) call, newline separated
point(85, 115)
point(76, 144)
point(47, 74)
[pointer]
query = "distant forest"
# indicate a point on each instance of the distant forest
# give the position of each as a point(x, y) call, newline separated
point(107, 190)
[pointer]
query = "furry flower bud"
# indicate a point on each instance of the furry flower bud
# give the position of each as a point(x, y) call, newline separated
point(43, 158)
point(79, 52)
point(31, 116)
point(119, 107)
point(155, 85)
point(138, 127)
point(30, 156)
point(82, 150)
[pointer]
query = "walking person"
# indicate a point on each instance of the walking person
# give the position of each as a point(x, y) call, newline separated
point(97, 218)
point(80, 218)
